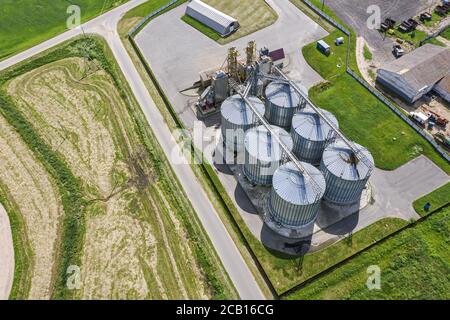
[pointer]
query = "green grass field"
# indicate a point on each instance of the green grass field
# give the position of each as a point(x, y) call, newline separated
point(438, 198)
point(415, 37)
point(415, 264)
point(25, 23)
point(446, 34)
point(367, 54)
point(210, 33)
point(252, 15)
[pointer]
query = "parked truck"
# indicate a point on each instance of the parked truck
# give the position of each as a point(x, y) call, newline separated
point(419, 117)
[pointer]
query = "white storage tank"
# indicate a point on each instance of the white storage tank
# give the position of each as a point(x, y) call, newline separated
point(263, 154)
point(346, 176)
point(237, 118)
point(295, 197)
point(282, 102)
point(311, 134)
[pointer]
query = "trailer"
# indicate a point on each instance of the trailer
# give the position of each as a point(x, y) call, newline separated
point(426, 16)
point(387, 24)
point(405, 27)
point(419, 117)
point(323, 47)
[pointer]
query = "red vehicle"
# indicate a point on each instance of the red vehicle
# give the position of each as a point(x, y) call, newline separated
point(436, 118)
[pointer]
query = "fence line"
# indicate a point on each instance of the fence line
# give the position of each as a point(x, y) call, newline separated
point(375, 92)
point(434, 35)
point(149, 16)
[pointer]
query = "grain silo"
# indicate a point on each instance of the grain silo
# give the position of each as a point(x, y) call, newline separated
point(345, 173)
point(295, 197)
point(237, 118)
point(263, 154)
point(311, 134)
point(282, 101)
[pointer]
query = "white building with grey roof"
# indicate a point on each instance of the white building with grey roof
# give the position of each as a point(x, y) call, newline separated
point(417, 73)
point(211, 17)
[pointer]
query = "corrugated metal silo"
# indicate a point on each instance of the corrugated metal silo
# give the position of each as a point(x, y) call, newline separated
point(282, 101)
point(263, 154)
point(311, 134)
point(237, 118)
point(295, 198)
point(345, 175)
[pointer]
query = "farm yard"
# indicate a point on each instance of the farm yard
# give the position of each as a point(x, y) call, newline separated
point(117, 210)
point(25, 23)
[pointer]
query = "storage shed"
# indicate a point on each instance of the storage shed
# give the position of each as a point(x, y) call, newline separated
point(211, 17)
point(323, 47)
point(415, 74)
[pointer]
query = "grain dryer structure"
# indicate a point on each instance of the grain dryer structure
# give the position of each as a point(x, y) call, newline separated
point(282, 138)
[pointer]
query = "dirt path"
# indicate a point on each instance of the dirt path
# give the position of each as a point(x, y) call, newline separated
point(363, 65)
point(6, 255)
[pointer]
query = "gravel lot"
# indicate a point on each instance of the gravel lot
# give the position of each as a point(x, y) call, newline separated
point(354, 14)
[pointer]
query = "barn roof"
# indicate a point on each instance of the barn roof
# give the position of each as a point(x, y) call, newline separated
point(445, 83)
point(422, 67)
point(212, 13)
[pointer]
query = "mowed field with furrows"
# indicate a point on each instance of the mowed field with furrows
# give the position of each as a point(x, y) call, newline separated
point(31, 190)
point(136, 243)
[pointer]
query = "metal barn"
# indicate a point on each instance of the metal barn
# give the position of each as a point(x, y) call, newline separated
point(415, 74)
point(211, 17)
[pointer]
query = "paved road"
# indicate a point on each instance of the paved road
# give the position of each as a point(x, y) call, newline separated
point(106, 26)
point(6, 255)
